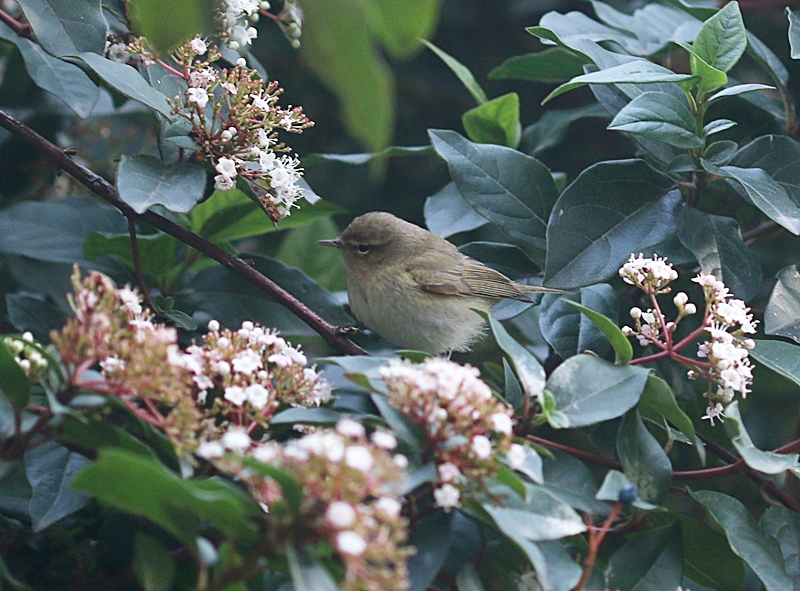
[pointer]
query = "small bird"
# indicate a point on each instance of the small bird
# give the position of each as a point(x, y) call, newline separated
point(416, 289)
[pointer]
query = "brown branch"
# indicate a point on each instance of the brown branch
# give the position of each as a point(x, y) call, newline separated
point(98, 185)
point(21, 29)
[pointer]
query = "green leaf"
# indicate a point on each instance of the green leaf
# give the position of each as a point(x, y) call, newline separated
point(623, 349)
point(431, 536)
point(512, 391)
point(127, 81)
point(508, 259)
point(366, 157)
point(708, 559)
point(144, 181)
point(763, 461)
point(658, 398)
point(495, 122)
point(448, 213)
point(14, 384)
point(720, 153)
point(93, 434)
point(513, 191)
point(307, 572)
point(782, 315)
point(633, 72)
point(708, 77)
point(168, 24)
point(291, 489)
point(541, 517)
point(648, 562)
point(722, 38)
point(334, 38)
point(27, 312)
point(152, 563)
point(567, 330)
point(613, 485)
point(768, 61)
point(794, 33)
point(468, 578)
point(717, 244)
point(551, 65)
point(528, 369)
point(570, 480)
point(67, 28)
point(463, 73)
point(50, 469)
point(784, 525)
point(63, 80)
point(611, 210)
point(765, 192)
point(659, 116)
point(589, 390)
point(8, 576)
point(156, 251)
point(552, 127)
point(737, 90)
point(143, 487)
point(401, 25)
point(759, 550)
point(326, 265)
point(643, 459)
point(782, 358)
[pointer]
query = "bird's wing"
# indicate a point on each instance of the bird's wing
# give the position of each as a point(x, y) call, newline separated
point(467, 278)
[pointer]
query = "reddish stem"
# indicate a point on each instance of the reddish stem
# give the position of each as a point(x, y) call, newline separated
point(662, 321)
point(596, 537)
point(170, 69)
point(19, 28)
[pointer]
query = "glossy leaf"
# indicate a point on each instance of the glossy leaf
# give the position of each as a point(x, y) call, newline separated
point(623, 349)
point(156, 251)
point(495, 122)
point(431, 537)
point(144, 181)
point(571, 481)
point(539, 518)
point(567, 330)
point(610, 211)
point(708, 77)
point(709, 560)
point(717, 243)
point(763, 461)
point(737, 90)
point(448, 213)
point(14, 384)
point(782, 316)
point(401, 25)
point(152, 563)
point(794, 33)
point(616, 485)
point(513, 191)
point(464, 75)
point(659, 399)
point(50, 470)
point(528, 369)
point(589, 390)
point(652, 561)
point(722, 38)
point(633, 72)
point(308, 574)
point(759, 550)
point(468, 579)
point(643, 459)
point(34, 314)
point(67, 28)
point(661, 117)
point(782, 358)
point(767, 59)
point(167, 25)
point(784, 526)
point(552, 127)
point(551, 65)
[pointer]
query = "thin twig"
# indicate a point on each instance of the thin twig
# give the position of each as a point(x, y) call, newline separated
point(137, 265)
point(19, 28)
point(101, 187)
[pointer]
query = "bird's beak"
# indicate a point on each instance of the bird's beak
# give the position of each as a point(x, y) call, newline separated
point(336, 243)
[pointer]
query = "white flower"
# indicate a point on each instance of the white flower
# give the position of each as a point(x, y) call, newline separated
point(257, 395)
point(236, 440)
point(516, 456)
point(130, 300)
point(226, 167)
point(501, 423)
point(636, 313)
point(247, 362)
point(112, 364)
point(222, 367)
point(340, 514)
point(400, 461)
point(714, 412)
point(449, 472)
point(349, 542)
point(224, 183)
point(680, 299)
point(197, 95)
point(388, 506)
point(198, 46)
point(384, 440)
point(481, 446)
point(213, 326)
point(210, 450)
point(201, 78)
point(446, 496)
point(350, 428)
point(265, 453)
point(235, 394)
point(358, 457)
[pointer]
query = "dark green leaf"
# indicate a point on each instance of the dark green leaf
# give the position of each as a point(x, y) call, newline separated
point(14, 384)
point(717, 243)
point(759, 550)
point(541, 517)
point(144, 181)
point(448, 213)
point(643, 459)
point(67, 28)
point(140, 486)
point(763, 461)
point(633, 72)
point(36, 315)
point(765, 57)
point(463, 73)
point(8, 576)
point(567, 330)
point(652, 561)
point(511, 190)
point(365, 157)
point(528, 369)
point(570, 481)
point(152, 563)
point(127, 81)
point(50, 469)
point(590, 390)
point(63, 80)
point(659, 116)
point(495, 122)
point(716, 126)
point(722, 38)
point(167, 25)
point(551, 65)
point(766, 193)
point(794, 33)
point(431, 537)
point(311, 416)
point(782, 316)
point(610, 211)
point(782, 358)
point(737, 90)
point(721, 153)
point(507, 259)
point(299, 249)
point(401, 25)
point(307, 572)
point(513, 389)
point(659, 399)
point(156, 251)
point(468, 579)
point(614, 485)
point(622, 347)
point(292, 491)
point(552, 127)
point(92, 434)
point(784, 526)
point(709, 560)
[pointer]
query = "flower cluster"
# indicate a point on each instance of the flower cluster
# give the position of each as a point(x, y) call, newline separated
point(467, 427)
point(242, 377)
point(235, 119)
point(234, 17)
point(350, 499)
point(725, 320)
point(27, 356)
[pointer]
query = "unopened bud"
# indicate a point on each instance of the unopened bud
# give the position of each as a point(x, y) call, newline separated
point(680, 299)
point(690, 309)
point(636, 313)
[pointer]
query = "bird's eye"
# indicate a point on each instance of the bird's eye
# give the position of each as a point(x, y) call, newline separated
point(363, 248)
